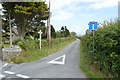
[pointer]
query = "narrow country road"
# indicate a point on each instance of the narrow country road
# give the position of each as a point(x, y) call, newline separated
point(43, 69)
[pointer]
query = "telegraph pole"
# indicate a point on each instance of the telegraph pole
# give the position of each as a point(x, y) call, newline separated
point(49, 26)
point(10, 29)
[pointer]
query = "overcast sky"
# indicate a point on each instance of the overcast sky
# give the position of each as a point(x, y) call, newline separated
point(76, 14)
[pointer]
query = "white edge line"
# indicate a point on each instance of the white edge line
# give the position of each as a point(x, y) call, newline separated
point(22, 76)
point(5, 65)
point(9, 72)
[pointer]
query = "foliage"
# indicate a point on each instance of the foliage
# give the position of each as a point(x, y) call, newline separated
point(107, 45)
point(73, 33)
point(34, 32)
point(64, 31)
point(58, 34)
point(31, 51)
point(25, 14)
point(53, 33)
point(33, 44)
point(85, 64)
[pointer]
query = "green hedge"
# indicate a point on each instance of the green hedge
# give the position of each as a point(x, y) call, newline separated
point(107, 47)
point(28, 45)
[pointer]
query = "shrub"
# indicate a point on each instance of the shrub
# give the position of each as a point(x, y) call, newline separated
point(107, 45)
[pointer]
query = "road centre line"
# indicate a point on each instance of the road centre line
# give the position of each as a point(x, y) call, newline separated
point(22, 76)
point(1, 76)
point(9, 72)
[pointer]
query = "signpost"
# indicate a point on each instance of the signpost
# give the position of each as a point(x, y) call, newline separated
point(40, 38)
point(93, 26)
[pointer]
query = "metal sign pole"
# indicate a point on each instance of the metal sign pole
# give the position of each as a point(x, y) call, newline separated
point(93, 26)
point(93, 47)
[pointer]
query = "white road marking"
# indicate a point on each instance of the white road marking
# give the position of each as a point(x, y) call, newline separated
point(22, 76)
point(4, 65)
point(58, 62)
point(1, 76)
point(9, 72)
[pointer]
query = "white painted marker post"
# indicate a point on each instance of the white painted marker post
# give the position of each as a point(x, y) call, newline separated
point(40, 38)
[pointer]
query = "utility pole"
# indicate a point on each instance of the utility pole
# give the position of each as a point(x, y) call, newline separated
point(49, 26)
point(10, 29)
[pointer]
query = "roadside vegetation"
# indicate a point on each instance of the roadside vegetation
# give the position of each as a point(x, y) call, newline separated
point(31, 52)
point(24, 20)
point(107, 52)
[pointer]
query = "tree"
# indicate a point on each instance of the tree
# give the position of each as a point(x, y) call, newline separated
point(58, 34)
point(53, 33)
point(64, 31)
point(62, 28)
point(35, 30)
point(67, 33)
point(9, 11)
point(25, 13)
point(73, 33)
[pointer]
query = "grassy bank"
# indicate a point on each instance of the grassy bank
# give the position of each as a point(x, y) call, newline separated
point(31, 51)
point(91, 71)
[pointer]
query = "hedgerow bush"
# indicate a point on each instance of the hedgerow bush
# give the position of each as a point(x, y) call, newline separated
point(107, 47)
point(29, 45)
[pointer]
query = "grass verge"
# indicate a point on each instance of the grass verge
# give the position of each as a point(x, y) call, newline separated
point(36, 54)
point(90, 70)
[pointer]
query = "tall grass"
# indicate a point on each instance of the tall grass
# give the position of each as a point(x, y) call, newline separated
point(31, 52)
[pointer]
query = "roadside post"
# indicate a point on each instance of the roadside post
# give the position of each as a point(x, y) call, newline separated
point(93, 26)
point(40, 38)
